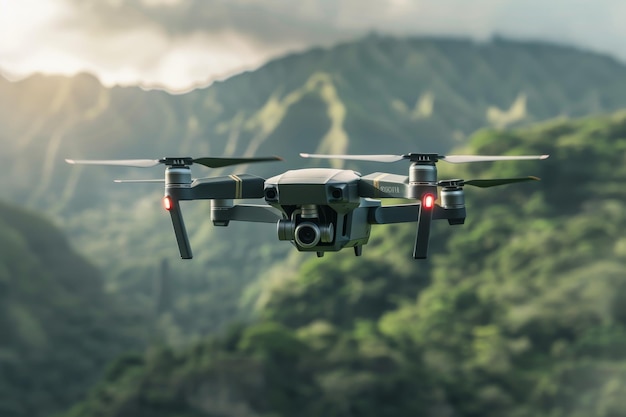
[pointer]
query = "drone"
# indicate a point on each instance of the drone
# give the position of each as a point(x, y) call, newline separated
point(321, 209)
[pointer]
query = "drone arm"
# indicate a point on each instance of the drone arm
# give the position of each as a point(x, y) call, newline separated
point(222, 212)
point(227, 187)
point(402, 213)
point(255, 213)
point(383, 185)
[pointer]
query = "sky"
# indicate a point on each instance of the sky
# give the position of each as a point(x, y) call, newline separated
point(181, 44)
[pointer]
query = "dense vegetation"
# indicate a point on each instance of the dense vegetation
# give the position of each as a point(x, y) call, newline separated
point(520, 312)
point(58, 329)
point(378, 94)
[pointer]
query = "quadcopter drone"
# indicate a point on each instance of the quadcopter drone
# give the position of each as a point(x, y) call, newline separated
point(321, 209)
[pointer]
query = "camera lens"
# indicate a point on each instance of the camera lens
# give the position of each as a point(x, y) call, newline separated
point(307, 234)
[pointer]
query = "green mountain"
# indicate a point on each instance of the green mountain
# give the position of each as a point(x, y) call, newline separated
point(378, 94)
point(58, 329)
point(520, 312)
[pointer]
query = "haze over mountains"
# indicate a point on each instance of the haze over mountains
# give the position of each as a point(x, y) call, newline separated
point(376, 95)
point(380, 94)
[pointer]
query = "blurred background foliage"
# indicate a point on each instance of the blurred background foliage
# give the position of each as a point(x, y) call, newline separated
point(518, 312)
point(378, 94)
point(58, 328)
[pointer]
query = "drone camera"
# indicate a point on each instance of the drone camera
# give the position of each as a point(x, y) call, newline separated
point(309, 234)
point(306, 234)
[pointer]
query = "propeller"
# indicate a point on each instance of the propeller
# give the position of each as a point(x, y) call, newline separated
point(374, 158)
point(213, 162)
point(459, 159)
point(138, 163)
point(222, 162)
point(139, 181)
point(485, 183)
point(427, 157)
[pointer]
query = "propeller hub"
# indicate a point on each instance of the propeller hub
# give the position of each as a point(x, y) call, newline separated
point(451, 184)
point(422, 157)
point(177, 162)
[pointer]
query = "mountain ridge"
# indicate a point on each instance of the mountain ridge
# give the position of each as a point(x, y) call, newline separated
point(376, 95)
point(518, 312)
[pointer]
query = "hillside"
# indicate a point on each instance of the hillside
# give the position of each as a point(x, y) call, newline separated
point(520, 312)
point(58, 327)
point(378, 94)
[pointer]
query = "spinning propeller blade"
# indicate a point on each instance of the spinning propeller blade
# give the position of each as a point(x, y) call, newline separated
point(137, 181)
point(374, 158)
point(485, 183)
point(498, 181)
point(459, 159)
point(453, 159)
point(211, 162)
point(222, 162)
point(137, 163)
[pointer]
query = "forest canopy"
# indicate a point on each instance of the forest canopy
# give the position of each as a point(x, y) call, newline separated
point(520, 312)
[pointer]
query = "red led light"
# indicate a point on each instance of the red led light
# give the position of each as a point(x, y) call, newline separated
point(428, 200)
point(167, 203)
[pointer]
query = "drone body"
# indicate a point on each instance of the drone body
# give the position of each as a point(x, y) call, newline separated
point(322, 209)
point(329, 209)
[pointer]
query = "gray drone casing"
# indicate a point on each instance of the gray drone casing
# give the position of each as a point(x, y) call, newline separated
point(326, 199)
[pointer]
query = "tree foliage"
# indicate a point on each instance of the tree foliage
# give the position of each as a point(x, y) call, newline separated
point(520, 312)
point(58, 329)
point(378, 94)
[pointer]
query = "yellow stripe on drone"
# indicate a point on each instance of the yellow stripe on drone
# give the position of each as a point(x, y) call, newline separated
point(238, 188)
point(376, 183)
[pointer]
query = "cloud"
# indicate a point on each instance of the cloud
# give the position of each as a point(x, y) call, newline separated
point(179, 43)
point(262, 22)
